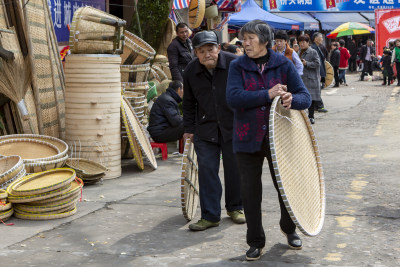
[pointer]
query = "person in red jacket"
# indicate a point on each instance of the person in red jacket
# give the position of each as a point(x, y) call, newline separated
point(344, 62)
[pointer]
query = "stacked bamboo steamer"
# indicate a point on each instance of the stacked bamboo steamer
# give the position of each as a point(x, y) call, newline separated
point(46, 195)
point(92, 108)
point(38, 152)
point(6, 209)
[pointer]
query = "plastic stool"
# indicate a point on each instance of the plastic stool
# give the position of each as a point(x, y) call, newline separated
point(181, 146)
point(163, 147)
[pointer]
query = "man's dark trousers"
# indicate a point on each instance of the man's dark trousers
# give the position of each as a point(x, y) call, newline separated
point(250, 166)
point(367, 69)
point(336, 75)
point(208, 157)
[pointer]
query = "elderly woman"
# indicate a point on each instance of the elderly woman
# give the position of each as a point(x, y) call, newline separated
point(254, 80)
point(310, 59)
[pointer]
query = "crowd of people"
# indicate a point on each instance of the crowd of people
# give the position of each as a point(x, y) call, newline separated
point(226, 93)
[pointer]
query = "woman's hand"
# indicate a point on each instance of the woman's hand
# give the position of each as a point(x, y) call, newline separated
point(286, 100)
point(277, 90)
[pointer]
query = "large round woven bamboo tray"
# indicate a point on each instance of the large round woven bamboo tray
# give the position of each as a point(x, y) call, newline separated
point(297, 167)
point(135, 73)
point(33, 211)
point(31, 198)
point(30, 150)
point(9, 167)
point(60, 144)
point(86, 168)
point(136, 50)
point(21, 173)
point(5, 215)
point(95, 31)
point(75, 190)
point(41, 166)
point(196, 12)
point(43, 182)
point(329, 74)
point(133, 139)
point(47, 208)
point(189, 181)
point(39, 217)
point(5, 206)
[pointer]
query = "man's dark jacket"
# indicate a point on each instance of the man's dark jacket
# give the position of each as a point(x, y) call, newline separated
point(363, 52)
point(179, 55)
point(205, 111)
point(165, 113)
point(322, 70)
point(335, 57)
point(353, 50)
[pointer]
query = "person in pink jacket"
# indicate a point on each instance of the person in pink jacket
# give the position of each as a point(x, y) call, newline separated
point(344, 62)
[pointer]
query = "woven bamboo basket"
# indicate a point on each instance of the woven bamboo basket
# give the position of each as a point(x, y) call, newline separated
point(40, 217)
point(76, 190)
point(5, 206)
point(86, 168)
point(136, 50)
point(30, 150)
point(5, 215)
point(196, 13)
point(135, 73)
point(31, 198)
point(41, 166)
point(153, 76)
point(19, 175)
point(142, 88)
point(28, 210)
point(60, 144)
point(165, 68)
point(161, 74)
point(9, 168)
point(42, 182)
point(3, 194)
point(96, 32)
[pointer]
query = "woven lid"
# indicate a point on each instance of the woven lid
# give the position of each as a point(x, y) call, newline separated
point(29, 149)
point(43, 182)
point(138, 131)
point(297, 167)
point(189, 181)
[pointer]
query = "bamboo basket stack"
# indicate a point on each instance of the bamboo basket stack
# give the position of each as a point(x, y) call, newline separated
point(46, 195)
point(92, 99)
point(6, 210)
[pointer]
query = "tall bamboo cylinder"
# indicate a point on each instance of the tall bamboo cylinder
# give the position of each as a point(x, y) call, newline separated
point(92, 109)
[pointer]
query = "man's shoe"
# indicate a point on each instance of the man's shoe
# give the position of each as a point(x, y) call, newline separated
point(237, 216)
point(253, 254)
point(323, 110)
point(294, 241)
point(202, 225)
point(336, 85)
point(312, 120)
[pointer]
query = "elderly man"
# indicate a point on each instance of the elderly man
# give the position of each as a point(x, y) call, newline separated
point(180, 52)
point(208, 122)
point(367, 53)
point(316, 45)
point(282, 47)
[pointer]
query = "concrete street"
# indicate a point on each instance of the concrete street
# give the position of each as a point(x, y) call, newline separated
point(136, 220)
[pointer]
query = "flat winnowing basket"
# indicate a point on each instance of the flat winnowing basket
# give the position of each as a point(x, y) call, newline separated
point(85, 167)
point(136, 50)
point(20, 174)
point(4, 206)
point(42, 182)
point(3, 194)
point(39, 217)
point(31, 198)
point(197, 9)
point(75, 191)
point(5, 215)
point(189, 181)
point(96, 32)
point(9, 167)
point(297, 167)
point(60, 144)
point(30, 150)
point(135, 73)
point(48, 208)
point(329, 74)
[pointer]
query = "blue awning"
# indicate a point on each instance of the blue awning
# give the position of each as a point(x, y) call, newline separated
point(332, 20)
point(310, 23)
point(371, 18)
point(251, 11)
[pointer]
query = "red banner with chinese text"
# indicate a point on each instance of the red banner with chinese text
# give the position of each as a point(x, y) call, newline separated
point(387, 23)
point(272, 4)
point(330, 3)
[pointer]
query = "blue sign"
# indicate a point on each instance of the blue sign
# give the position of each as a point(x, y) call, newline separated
point(62, 12)
point(328, 5)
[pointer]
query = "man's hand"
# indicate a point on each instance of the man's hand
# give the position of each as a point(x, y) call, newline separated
point(188, 135)
point(286, 100)
point(278, 89)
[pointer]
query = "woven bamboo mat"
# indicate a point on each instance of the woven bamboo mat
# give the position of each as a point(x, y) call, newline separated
point(297, 167)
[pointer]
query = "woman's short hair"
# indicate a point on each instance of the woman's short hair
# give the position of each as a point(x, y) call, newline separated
point(303, 37)
point(261, 29)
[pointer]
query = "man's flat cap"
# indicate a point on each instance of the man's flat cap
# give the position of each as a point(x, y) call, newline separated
point(204, 37)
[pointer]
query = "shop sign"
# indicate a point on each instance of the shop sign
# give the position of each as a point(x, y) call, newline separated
point(328, 5)
point(62, 12)
point(387, 28)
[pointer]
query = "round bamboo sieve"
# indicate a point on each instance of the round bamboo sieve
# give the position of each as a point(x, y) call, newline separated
point(39, 217)
point(30, 150)
point(31, 198)
point(76, 187)
point(9, 168)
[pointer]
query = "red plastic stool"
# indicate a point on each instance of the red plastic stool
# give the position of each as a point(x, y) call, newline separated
point(163, 147)
point(181, 146)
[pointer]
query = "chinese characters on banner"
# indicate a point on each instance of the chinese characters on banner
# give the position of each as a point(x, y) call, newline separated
point(387, 28)
point(329, 5)
point(62, 12)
